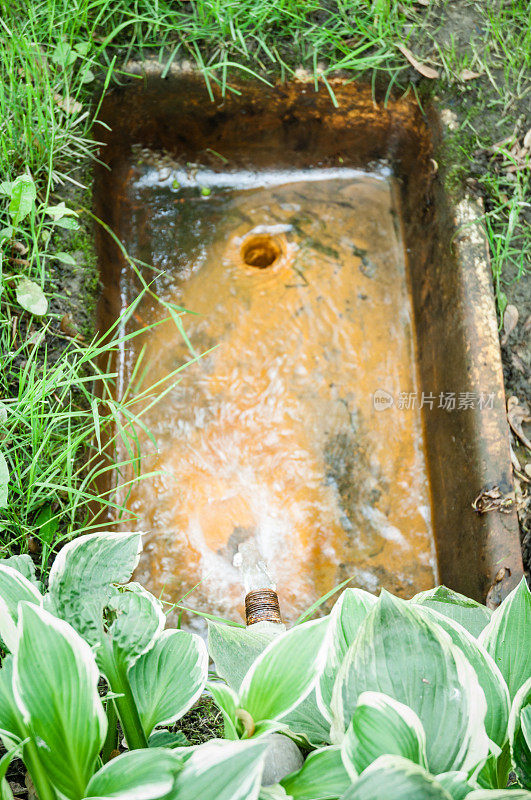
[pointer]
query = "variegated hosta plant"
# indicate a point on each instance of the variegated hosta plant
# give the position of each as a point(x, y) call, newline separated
point(429, 698)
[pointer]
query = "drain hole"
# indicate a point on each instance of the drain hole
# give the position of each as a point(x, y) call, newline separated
point(260, 251)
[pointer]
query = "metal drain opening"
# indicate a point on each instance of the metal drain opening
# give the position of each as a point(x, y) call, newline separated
point(261, 251)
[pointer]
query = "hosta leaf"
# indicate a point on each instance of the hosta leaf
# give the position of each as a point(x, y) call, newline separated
point(31, 297)
point(396, 778)
point(520, 734)
point(227, 701)
point(456, 784)
point(139, 620)
point(23, 194)
point(471, 615)
point(274, 792)
point(490, 678)
point(345, 619)
point(12, 728)
point(322, 777)
point(381, 726)
point(169, 678)
point(307, 722)
point(400, 653)
point(82, 574)
point(62, 708)
point(138, 775)
point(507, 637)
point(4, 481)
point(234, 650)
point(221, 770)
point(23, 564)
point(499, 794)
point(285, 673)
point(14, 588)
point(168, 739)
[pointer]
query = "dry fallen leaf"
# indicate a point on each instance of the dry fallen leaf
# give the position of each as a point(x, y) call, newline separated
point(527, 470)
point(527, 140)
point(468, 75)
point(493, 500)
point(510, 321)
point(516, 415)
point(428, 72)
point(68, 105)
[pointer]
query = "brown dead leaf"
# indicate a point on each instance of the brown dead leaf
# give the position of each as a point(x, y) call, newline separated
point(422, 2)
point(68, 105)
point(510, 321)
point(518, 363)
point(428, 72)
point(468, 75)
point(68, 328)
point(493, 500)
point(527, 470)
point(527, 140)
point(516, 415)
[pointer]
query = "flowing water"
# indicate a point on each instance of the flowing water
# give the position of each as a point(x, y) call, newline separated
point(298, 281)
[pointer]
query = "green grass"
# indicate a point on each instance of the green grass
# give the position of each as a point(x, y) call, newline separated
point(56, 61)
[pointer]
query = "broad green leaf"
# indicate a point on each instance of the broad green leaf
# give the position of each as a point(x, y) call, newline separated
point(139, 620)
point(286, 672)
point(382, 726)
point(345, 619)
point(60, 211)
point(14, 588)
point(65, 258)
point(138, 775)
point(489, 676)
point(227, 701)
point(67, 223)
point(456, 784)
point(82, 574)
point(220, 770)
point(47, 523)
point(274, 792)
point(507, 637)
point(400, 653)
point(168, 679)
point(4, 481)
point(322, 777)
point(63, 54)
point(62, 709)
point(307, 722)
point(499, 794)
point(520, 734)
point(234, 650)
point(396, 778)
point(31, 297)
point(471, 615)
point(23, 194)
point(86, 75)
point(23, 564)
point(6, 188)
point(168, 739)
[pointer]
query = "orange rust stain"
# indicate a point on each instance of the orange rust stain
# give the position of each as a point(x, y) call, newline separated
point(273, 435)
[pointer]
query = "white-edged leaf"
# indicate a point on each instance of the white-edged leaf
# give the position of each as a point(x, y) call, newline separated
point(227, 701)
point(400, 653)
point(23, 194)
point(23, 564)
point(138, 775)
point(499, 794)
point(233, 650)
point(14, 588)
point(55, 683)
point(82, 574)
point(490, 678)
point(220, 770)
point(274, 792)
point(12, 728)
point(471, 615)
point(139, 620)
point(322, 777)
point(286, 672)
point(396, 778)
point(168, 679)
point(507, 637)
point(346, 617)
point(381, 726)
point(456, 784)
point(307, 722)
point(4, 481)
point(31, 297)
point(520, 734)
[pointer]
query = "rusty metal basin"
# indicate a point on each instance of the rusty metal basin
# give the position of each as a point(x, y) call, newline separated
point(349, 407)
